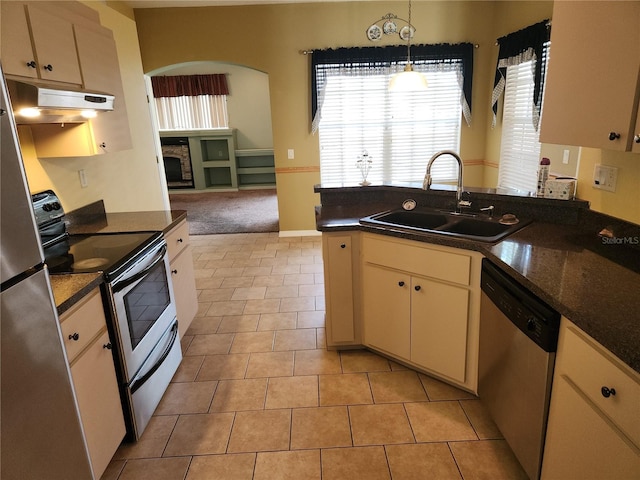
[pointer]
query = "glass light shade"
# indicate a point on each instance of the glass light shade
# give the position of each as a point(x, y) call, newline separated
point(408, 81)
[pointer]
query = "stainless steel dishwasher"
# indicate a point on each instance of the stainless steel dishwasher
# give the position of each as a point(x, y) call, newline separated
point(518, 341)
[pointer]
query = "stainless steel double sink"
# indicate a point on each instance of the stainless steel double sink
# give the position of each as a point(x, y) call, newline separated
point(479, 227)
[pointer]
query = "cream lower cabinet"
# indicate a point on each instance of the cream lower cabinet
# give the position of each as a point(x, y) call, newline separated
point(593, 433)
point(182, 275)
point(420, 304)
point(88, 349)
point(340, 254)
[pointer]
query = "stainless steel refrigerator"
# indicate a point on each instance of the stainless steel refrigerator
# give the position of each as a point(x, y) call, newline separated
point(40, 430)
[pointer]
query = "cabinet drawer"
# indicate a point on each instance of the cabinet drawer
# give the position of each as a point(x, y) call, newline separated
point(419, 259)
point(590, 368)
point(81, 323)
point(177, 239)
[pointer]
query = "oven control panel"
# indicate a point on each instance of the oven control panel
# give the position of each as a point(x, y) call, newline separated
point(47, 208)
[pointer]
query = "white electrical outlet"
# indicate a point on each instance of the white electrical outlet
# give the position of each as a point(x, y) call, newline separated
point(291, 154)
point(565, 157)
point(605, 177)
point(84, 182)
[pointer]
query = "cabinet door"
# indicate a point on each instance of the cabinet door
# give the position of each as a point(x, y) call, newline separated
point(580, 443)
point(339, 290)
point(55, 47)
point(184, 289)
point(439, 323)
point(94, 379)
point(593, 74)
point(386, 310)
point(101, 72)
point(636, 133)
point(17, 54)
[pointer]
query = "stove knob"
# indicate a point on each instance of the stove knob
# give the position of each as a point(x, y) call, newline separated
point(531, 325)
point(55, 206)
point(47, 207)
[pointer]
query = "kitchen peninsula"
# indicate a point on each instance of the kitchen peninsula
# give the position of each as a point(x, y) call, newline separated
point(414, 296)
point(559, 257)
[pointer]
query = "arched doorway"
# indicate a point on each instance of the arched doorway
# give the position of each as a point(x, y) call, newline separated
point(231, 165)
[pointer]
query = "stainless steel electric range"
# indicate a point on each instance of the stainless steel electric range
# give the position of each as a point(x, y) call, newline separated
point(138, 298)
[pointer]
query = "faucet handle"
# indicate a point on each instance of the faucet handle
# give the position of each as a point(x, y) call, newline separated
point(464, 203)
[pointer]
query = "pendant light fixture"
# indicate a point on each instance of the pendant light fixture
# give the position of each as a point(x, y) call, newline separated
point(408, 80)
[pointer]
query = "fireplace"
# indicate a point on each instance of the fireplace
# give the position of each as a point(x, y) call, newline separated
point(177, 162)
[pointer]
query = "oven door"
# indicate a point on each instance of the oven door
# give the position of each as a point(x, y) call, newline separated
point(144, 307)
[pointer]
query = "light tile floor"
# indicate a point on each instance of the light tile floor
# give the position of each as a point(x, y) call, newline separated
point(259, 397)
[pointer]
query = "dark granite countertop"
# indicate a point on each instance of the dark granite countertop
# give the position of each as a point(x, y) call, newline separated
point(121, 222)
point(92, 219)
point(593, 283)
point(69, 289)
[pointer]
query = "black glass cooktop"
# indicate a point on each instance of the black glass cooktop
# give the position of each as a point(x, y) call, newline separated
point(95, 253)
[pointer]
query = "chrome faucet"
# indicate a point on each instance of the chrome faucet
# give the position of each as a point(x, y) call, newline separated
point(426, 184)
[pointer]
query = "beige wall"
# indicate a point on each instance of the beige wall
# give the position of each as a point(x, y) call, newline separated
point(625, 201)
point(270, 37)
point(127, 180)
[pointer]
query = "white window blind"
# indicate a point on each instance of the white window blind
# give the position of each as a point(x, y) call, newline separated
point(192, 112)
point(400, 131)
point(520, 147)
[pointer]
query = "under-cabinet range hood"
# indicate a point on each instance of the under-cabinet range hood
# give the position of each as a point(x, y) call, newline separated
point(33, 103)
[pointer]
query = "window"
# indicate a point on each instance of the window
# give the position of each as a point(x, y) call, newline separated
point(520, 147)
point(399, 131)
point(186, 113)
point(520, 73)
point(191, 101)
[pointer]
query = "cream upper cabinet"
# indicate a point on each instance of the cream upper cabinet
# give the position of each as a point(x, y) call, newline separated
point(420, 304)
point(592, 85)
point(101, 72)
point(636, 134)
point(340, 255)
point(594, 417)
point(17, 54)
point(182, 275)
point(38, 44)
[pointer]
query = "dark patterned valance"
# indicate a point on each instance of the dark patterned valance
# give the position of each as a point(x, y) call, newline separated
point(518, 47)
point(190, 85)
point(387, 59)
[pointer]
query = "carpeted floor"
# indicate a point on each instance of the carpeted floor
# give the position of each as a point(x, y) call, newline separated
point(246, 211)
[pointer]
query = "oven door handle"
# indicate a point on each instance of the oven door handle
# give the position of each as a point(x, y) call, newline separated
point(134, 278)
point(142, 380)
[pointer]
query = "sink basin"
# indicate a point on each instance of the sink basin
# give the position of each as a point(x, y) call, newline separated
point(413, 218)
point(478, 228)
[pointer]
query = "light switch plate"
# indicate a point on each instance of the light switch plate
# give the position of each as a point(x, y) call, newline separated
point(605, 177)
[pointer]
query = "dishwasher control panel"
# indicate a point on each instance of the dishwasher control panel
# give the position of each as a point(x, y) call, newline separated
point(531, 315)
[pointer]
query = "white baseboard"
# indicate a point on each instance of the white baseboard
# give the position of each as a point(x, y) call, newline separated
point(299, 233)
